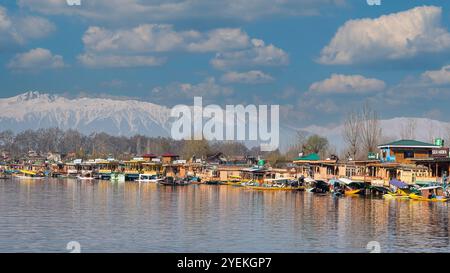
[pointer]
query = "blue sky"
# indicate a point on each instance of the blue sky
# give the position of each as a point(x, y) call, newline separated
point(317, 59)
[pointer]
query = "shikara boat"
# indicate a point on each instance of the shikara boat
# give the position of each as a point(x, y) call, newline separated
point(430, 194)
point(29, 175)
point(172, 181)
point(146, 178)
point(234, 180)
point(402, 190)
point(344, 186)
point(317, 186)
point(279, 184)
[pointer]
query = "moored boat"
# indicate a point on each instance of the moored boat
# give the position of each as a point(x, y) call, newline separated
point(146, 178)
point(29, 175)
point(400, 190)
point(278, 184)
point(172, 181)
point(430, 194)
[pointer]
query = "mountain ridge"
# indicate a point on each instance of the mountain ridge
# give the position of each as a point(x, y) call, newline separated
point(127, 117)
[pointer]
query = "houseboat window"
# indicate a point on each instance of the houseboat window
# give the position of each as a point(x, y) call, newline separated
point(349, 172)
point(409, 154)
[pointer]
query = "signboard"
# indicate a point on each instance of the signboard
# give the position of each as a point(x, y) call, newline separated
point(439, 142)
point(372, 156)
point(440, 152)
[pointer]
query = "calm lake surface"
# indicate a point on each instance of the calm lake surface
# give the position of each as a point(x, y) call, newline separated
point(43, 216)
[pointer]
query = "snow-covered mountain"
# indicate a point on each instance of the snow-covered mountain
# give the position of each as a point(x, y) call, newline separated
point(34, 110)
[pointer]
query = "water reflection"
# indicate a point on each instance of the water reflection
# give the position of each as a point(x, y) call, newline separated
point(42, 216)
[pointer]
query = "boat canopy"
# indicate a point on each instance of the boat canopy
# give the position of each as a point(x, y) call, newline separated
point(398, 184)
point(345, 181)
point(430, 188)
point(309, 180)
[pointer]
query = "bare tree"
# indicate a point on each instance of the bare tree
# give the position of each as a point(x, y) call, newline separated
point(352, 133)
point(370, 128)
point(408, 129)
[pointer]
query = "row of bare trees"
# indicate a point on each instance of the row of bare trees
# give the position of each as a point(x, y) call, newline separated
point(362, 132)
point(102, 145)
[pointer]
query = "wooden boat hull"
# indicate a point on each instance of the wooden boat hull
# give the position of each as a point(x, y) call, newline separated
point(21, 177)
point(352, 192)
point(421, 198)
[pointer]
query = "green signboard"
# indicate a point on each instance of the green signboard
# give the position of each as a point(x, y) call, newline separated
point(372, 156)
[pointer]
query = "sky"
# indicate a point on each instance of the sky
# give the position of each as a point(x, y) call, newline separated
point(316, 59)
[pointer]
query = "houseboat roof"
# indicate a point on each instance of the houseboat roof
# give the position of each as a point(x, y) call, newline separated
point(310, 157)
point(407, 143)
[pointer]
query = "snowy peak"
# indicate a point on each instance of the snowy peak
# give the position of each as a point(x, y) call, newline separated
point(34, 110)
point(32, 95)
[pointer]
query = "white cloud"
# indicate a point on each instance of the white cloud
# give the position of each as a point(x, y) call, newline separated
point(15, 30)
point(221, 39)
point(33, 27)
point(143, 38)
point(341, 84)
point(236, 47)
point(439, 77)
point(118, 61)
point(157, 10)
point(206, 88)
point(258, 55)
point(390, 37)
point(163, 38)
point(250, 77)
point(36, 59)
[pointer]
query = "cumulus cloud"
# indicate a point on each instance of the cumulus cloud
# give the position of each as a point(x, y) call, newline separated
point(163, 38)
point(207, 88)
point(36, 59)
point(235, 46)
point(15, 30)
point(157, 10)
point(219, 40)
point(390, 37)
point(341, 84)
point(439, 77)
point(250, 77)
point(258, 54)
point(118, 61)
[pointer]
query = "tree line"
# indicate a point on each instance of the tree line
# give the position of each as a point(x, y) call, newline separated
point(103, 145)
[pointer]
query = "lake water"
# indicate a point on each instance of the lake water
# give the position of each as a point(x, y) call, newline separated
point(43, 216)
